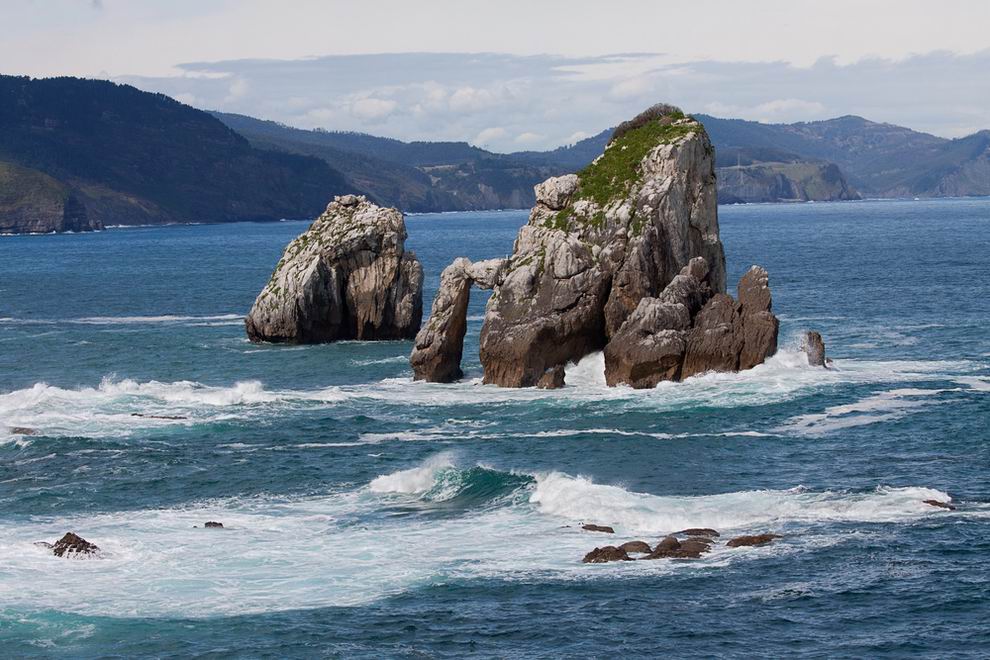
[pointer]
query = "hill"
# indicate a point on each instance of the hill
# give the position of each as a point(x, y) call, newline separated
point(124, 156)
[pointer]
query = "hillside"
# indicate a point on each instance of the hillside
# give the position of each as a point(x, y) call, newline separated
point(880, 160)
point(130, 157)
point(414, 176)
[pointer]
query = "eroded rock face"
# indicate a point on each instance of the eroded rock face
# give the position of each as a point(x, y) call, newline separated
point(436, 357)
point(347, 277)
point(598, 243)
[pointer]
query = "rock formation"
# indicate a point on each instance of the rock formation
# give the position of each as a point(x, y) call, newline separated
point(752, 540)
point(814, 347)
point(606, 554)
point(624, 257)
point(347, 277)
point(72, 545)
point(436, 357)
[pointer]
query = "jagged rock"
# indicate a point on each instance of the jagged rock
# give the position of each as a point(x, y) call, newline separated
point(752, 540)
point(698, 531)
point(72, 545)
point(814, 347)
point(213, 523)
point(597, 528)
point(941, 505)
point(347, 277)
point(436, 356)
point(636, 546)
point(555, 192)
point(732, 336)
point(606, 554)
point(598, 244)
point(552, 378)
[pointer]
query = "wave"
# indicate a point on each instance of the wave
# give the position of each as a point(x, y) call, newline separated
point(167, 319)
point(368, 542)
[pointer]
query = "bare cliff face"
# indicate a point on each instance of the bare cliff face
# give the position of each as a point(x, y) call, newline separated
point(347, 277)
point(624, 256)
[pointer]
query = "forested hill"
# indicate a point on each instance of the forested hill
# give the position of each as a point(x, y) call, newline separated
point(78, 154)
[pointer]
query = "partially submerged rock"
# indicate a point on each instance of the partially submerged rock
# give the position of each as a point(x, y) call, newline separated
point(552, 378)
point(23, 430)
point(214, 524)
point(597, 528)
point(672, 548)
point(698, 531)
point(940, 505)
point(347, 277)
point(814, 347)
point(752, 540)
point(641, 547)
point(606, 554)
point(73, 546)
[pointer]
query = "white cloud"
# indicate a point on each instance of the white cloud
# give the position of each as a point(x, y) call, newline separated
point(577, 136)
point(528, 138)
point(489, 135)
point(373, 109)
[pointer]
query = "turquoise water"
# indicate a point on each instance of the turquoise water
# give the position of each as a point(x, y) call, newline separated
point(367, 515)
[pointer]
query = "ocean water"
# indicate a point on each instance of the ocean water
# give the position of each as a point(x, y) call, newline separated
point(367, 515)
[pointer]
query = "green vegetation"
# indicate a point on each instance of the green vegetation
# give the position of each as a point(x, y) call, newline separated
point(612, 175)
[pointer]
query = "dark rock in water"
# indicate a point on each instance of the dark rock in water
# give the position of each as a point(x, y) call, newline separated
point(671, 548)
point(941, 505)
point(158, 416)
point(697, 531)
point(636, 546)
point(436, 357)
point(23, 430)
point(752, 540)
point(347, 277)
point(597, 528)
point(814, 347)
point(606, 554)
point(552, 378)
point(72, 545)
point(213, 523)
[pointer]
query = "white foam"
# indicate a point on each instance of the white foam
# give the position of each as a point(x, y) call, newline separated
point(414, 480)
point(169, 319)
point(880, 407)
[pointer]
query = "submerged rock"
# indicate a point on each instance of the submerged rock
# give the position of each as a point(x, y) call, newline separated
point(940, 505)
point(671, 548)
point(814, 347)
point(346, 277)
point(23, 430)
point(597, 528)
point(752, 540)
point(606, 554)
point(698, 531)
point(72, 545)
point(213, 523)
point(636, 546)
point(436, 356)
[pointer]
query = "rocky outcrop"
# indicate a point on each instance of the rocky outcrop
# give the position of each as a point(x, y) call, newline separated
point(606, 554)
point(347, 277)
point(72, 546)
point(599, 242)
point(940, 505)
point(590, 527)
point(814, 347)
point(641, 547)
point(436, 357)
point(213, 524)
point(752, 540)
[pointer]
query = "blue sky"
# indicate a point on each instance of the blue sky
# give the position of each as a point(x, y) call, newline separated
point(523, 75)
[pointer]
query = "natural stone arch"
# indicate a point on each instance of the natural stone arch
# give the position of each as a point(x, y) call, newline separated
point(439, 347)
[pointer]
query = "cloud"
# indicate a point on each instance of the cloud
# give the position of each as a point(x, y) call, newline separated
point(372, 109)
point(487, 135)
point(508, 102)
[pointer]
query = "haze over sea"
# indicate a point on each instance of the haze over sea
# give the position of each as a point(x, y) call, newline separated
point(369, 515)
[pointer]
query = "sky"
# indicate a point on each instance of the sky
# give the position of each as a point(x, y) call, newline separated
point(510, 75)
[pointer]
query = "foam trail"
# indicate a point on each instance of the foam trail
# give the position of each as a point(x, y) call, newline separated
point(881, 407)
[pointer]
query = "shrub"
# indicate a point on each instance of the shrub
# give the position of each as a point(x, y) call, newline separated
point(665, 112)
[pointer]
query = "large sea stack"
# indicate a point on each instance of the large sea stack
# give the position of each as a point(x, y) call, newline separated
point(624, 257)
point(347, 277)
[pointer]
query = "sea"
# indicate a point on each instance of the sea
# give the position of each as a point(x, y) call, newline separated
point(366, 515)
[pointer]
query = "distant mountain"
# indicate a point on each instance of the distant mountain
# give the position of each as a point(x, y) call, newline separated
point(80, 154)
point(880, 160)
point(413, 176)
